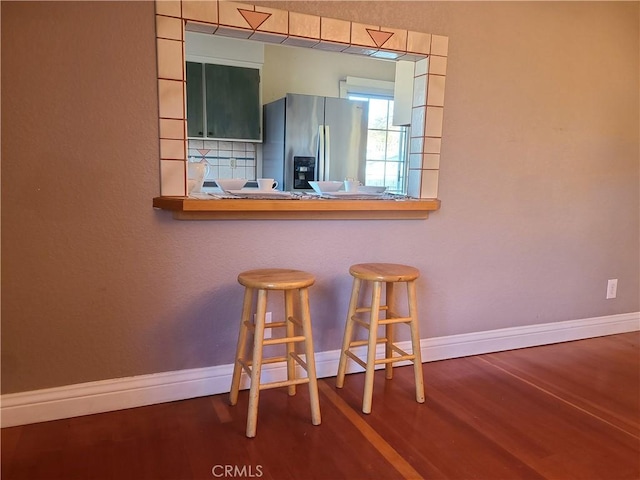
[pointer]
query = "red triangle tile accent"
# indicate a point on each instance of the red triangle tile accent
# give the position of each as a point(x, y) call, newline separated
point(379, 37)
point(203, 152)
point(254, 19)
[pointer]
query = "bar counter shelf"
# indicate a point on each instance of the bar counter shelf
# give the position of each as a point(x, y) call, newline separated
point(188, 208)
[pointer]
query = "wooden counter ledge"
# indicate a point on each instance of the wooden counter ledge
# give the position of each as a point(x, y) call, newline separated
point(185, 208)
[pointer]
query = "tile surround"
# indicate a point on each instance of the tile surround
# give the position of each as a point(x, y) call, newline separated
point(437, 65)
point(333, 30)
point(171, 99)
point(170, 8)
point(435, 90)
point(173, 129)
point(171, 149)
point(433, 122)
point(397, 41)
point(279, 26)
point(168, 27)
point(304, 25)
point(199, 10)
point(167, 52)
point(277, 21)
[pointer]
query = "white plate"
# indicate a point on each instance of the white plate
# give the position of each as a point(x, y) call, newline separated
point(254, 192)
point(353, 194)
point(371, 189)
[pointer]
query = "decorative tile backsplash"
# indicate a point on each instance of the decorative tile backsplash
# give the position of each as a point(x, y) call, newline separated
point(226, 159)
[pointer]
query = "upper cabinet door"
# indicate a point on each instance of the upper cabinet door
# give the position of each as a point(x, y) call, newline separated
point(195, 99)
point(233, 102)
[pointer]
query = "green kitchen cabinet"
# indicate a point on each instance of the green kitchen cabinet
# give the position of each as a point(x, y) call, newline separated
point(223, 102)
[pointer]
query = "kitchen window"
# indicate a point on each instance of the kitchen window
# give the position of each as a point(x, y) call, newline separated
point(387, 144)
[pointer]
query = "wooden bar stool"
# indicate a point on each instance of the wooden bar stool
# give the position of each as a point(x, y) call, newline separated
point(291, 282)
point(379, 274)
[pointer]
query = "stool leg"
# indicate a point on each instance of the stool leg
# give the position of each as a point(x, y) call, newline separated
point(288, 315)
point(388, 352)
point(256, 364)
point(371, 349)
point(309, 356)
point(348, 332)
point(415, 341)
point(245, 318)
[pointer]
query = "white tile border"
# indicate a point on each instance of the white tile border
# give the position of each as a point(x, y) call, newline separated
point(116, 394)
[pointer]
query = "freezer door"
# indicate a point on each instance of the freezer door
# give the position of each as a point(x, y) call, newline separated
point(346, 123)
point(304, 116)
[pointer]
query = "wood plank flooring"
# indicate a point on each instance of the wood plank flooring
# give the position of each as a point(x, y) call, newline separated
point(564, 411)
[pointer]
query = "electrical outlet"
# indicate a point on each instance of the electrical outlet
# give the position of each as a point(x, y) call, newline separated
point(267, 319)
point(612, 288)
point(233, 162)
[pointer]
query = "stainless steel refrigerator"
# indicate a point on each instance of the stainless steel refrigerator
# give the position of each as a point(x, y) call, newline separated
point(314, 138)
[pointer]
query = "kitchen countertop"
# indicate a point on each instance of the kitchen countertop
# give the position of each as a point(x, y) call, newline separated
point(308, 207)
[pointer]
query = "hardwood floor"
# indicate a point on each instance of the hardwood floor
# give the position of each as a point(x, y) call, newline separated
point(564, 411)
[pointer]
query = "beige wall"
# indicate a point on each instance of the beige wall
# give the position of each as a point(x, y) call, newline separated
point(316, 72)
point(538, 182)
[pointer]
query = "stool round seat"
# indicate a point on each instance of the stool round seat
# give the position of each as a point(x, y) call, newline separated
point(276, 279)
point(384, 272)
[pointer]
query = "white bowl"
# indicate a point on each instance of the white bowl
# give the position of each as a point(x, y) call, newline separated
point(227, 184)
point(326, 187)
point(371, 189)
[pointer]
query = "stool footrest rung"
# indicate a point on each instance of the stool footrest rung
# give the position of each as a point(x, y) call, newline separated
point(378, 361)
point(386, 321)
point(398, 350)
point(368, 309)
point(283, 383)
point(245, 366)
point(275, 324)
point(278, 341)
point(295, 321)
point(251, 326)
point(359, 321)
point(382, 321)
point(359, 343)
point(356, 359)
point(402, 355)
point(298, 359)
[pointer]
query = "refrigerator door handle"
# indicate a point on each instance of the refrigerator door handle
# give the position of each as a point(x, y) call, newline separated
point(320, 154)
point(327, 152)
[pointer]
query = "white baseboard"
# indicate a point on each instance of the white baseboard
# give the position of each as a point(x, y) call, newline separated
point(116, 394)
